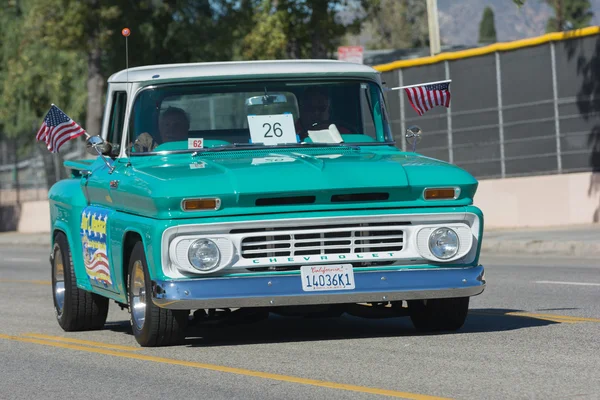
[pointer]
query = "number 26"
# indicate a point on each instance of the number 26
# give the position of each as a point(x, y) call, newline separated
point(276, 127)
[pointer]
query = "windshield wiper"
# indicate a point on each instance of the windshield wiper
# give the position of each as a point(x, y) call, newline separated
point(292, 144)
point(261, 146)
point(241, 146)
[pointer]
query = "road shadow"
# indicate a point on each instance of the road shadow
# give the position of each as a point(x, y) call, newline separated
point(277, 329)
point(119, 326)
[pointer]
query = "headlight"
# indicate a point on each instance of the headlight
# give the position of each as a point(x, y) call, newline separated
point(204, 254)
point(443, 243)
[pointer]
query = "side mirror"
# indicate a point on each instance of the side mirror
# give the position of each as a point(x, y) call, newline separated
point(413, 136)
point(95, 146)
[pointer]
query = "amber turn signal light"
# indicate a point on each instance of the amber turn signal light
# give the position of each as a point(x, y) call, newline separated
point(441, 193)
point(201, 204)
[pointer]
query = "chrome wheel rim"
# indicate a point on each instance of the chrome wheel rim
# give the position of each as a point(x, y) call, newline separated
point(138, 295)
point(59, 282)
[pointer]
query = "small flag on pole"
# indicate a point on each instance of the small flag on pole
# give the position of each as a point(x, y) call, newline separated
point(422, 98)
point(57, 129)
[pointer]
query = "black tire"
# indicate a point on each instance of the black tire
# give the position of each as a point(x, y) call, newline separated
point(161, 326)
point(439, 314)
point(80, 310)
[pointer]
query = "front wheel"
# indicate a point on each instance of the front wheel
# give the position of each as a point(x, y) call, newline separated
point(439, 314)
point(151, 325)
point(75, 309)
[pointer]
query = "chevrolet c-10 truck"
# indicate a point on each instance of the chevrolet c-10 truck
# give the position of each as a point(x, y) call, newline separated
point(249, 188)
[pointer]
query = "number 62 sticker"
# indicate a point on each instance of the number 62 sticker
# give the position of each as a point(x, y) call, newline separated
point(272, 129)
point(195, 143)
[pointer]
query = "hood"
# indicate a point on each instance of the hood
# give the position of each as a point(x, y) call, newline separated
point(265, 181)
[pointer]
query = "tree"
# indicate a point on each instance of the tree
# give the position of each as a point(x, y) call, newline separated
point(487, 27)
point(33, 77)
point(569, 14)
point(394, 24)
point(297, 29)
point(50, 46)
point(62, 52)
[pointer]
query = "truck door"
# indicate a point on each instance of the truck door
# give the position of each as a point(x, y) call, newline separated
point(100, 185)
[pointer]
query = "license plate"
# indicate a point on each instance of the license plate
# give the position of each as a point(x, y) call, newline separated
point(327, 277)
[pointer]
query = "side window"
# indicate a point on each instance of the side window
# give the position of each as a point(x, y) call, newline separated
point(117, 117)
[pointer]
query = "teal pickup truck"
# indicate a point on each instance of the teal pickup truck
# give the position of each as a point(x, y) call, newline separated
point(239, 189)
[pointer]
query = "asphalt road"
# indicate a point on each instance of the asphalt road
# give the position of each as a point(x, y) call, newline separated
point(533, 334)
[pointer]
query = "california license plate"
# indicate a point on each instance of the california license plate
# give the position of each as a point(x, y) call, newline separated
point(327, 277)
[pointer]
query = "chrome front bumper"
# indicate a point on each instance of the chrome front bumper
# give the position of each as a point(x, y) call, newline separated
point(286, 290)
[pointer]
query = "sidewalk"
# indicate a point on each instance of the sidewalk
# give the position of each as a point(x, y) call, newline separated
point(577, 240)
point(8, 239)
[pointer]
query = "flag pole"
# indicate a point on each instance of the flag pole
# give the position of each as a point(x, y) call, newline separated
point(419, 84)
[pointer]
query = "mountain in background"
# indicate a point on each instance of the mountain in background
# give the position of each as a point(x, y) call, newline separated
point(459, 20)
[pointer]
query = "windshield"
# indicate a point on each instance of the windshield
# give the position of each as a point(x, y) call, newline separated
point(198, 117)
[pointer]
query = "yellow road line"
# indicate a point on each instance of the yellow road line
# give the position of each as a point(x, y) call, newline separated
point(565, 317)
point(237, 371)
point(558, 320)
point(549, 317)
point(22, 281)
point(79, 341)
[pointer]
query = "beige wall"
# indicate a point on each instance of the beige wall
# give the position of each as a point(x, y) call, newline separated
point(537, 201)
point(35, 217)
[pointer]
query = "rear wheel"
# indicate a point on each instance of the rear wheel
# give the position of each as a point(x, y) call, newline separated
point(439, 314)
point(151, 325)
point(76, 309)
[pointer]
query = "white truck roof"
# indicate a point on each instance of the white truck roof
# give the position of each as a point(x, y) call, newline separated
point(240, 69)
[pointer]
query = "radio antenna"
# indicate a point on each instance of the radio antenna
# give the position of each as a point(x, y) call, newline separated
point(126, 32)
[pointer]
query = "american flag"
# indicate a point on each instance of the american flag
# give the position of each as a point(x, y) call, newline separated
point(99, 263)
point(57, 129)
point(97, 267)
point(425, 97)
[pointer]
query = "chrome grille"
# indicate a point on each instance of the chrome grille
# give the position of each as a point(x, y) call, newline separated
point(315, 240)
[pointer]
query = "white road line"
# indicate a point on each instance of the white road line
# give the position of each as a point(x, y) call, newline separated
point(19, 259)
point(569, 283)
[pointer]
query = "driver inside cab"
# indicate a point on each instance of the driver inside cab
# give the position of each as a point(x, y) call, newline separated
point(173, 125)
point(315, 109)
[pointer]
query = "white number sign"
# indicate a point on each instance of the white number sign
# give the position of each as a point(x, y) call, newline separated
point(272, 129)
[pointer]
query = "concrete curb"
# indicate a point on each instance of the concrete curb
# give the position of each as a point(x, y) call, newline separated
point(545, 247)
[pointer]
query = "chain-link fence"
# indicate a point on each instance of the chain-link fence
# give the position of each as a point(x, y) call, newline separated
point(22, 175)
point(27, 169)
point(529, 111)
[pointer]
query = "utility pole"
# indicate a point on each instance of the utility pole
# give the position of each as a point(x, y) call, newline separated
point(434, 28)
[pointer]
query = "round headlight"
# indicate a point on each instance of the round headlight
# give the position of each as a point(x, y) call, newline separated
point(204, 254)
point(443, 243)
